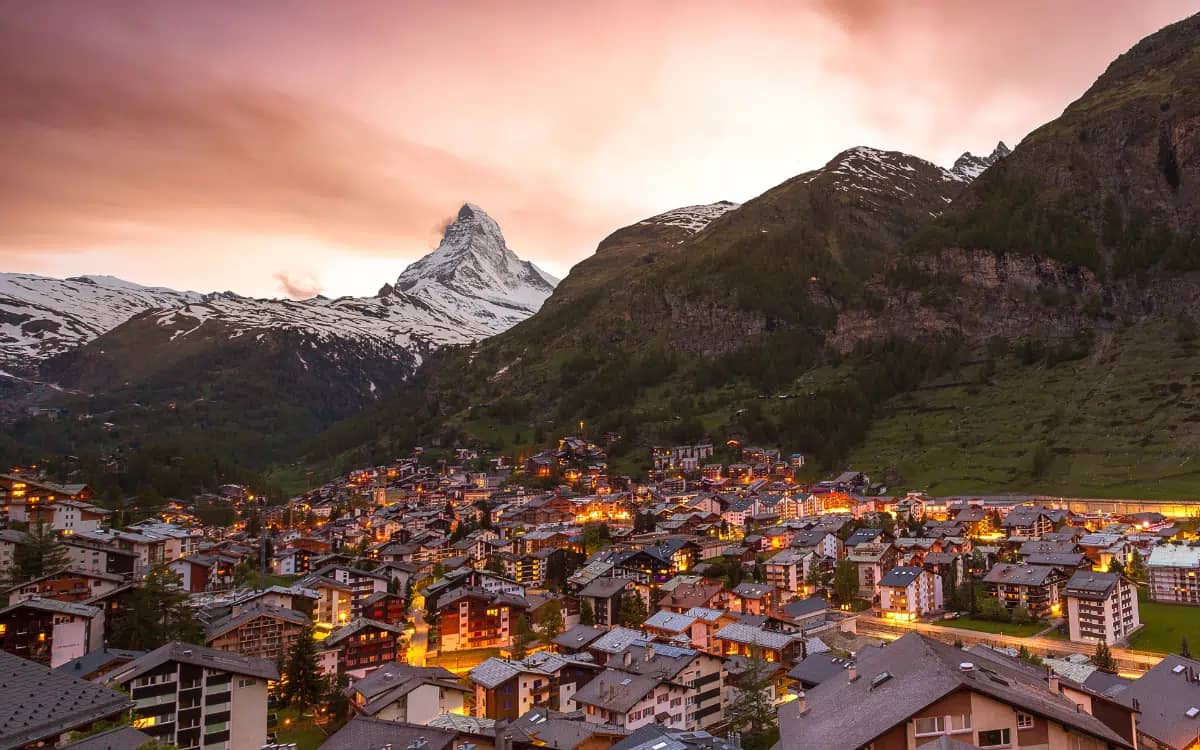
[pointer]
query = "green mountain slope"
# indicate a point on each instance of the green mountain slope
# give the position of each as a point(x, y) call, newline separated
point(1022, 333)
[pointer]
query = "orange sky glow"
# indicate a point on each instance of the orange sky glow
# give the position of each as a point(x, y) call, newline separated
point(286, 148)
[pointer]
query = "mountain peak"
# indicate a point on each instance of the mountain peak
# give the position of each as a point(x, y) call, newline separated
point(473, 262)
point(969, 166)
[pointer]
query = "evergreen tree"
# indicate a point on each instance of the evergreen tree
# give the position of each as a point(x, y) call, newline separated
point(845, 581)
point(495, 565)
point(1103, 658)
point(1185, 650)
point(302, 684)
point(157, 613)
point(752, 710)
point(630, 612)
point(522, 637)
point(39, 554)
point(550, 621)
point(587, 615)
point(1137, 567)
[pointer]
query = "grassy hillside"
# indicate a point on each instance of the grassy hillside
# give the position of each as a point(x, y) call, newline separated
point(1122, 422)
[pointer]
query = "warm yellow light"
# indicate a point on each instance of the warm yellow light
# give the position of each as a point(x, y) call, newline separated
point(144, 721)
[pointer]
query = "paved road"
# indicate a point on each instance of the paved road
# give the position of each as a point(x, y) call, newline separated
point(418, 645)
point(1128, 661)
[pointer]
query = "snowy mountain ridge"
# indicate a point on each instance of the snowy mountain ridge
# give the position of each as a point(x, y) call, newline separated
point(472, 286)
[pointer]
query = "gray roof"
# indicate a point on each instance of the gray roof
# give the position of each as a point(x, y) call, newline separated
point(901, 576)
point(41, 703)
point(741, 633)
point(605, 588)
point(1089, 584)
point(617, 640)
point(393, 680)
point(561, 731)
point(1165, 694)
point(1026, 575)
point(614, 690)
point(186, 653)
point(55, 606)
point(226, 624)
point(654, 737)
point(672, 621)
point(356, 625)
point(578, 636)
point(817, 668)
point(120, 738)
point(898, 681)
point(98, 659)
point(365, 733)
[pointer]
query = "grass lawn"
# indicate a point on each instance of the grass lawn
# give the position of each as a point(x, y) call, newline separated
point(302, 730)
point(988, 626)
point(1164, 626)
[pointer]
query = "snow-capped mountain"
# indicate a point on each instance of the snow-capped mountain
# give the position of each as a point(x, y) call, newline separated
point(969, 166)
point(472, 286)
point(473, 275)
point(41, 317)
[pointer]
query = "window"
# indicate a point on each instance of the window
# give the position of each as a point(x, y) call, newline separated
point(995, 738)
point(1024, 721)
point(931, 725)
point(960, 723)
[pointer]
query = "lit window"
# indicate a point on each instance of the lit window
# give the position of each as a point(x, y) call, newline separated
point(144, 721)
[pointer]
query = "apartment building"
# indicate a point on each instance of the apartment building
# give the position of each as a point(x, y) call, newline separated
point(198, 698)
point(507, 689)
point(403, 693)
point(1175, 574)
point(908, 593)
point(1034, 587)
point(262, 632)
point(788, 569)
point(364, 645)
point(1100, 607)
point(49, 631)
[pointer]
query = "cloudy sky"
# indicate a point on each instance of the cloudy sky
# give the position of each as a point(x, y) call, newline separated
point(285, 147)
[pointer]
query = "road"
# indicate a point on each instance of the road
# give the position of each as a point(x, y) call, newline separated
point(1130, 662)
point(418, 645)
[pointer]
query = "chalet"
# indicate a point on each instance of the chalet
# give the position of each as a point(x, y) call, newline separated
point(385, 607)
point(262, 632)
point(365, 645)
point(506, 689)
point(67, 585)
point(921, 693)
point(703, 593)
point(1034, 587)
point(604, 596)
point(25, 499)
point(756, 598)
point(1028, 522)
point(49, 631)
point(404, 693)
point(470, 618)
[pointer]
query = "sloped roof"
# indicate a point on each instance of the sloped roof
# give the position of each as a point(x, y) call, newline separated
point(911, 673)
point(366, 733)
point(41, 703)
point(187, 653)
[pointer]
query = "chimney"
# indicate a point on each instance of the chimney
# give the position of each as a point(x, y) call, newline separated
point(852, 671)
point(1052, 680)
point(628, 658)
point(649, 651)
point(802, 703)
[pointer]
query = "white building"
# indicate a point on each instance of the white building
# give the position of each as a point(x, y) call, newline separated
point(1174, 572)
point(908, 593)
point(1101, 607)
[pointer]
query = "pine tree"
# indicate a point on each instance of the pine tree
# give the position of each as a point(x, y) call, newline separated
point(550, 620)
point(752, 711)
point(1103, 659)
point(302, 682)
point(39, 554)
point(845, 581)
point(587, 615)
point(630, 611)
point(156, 613)
point(1185, 650)
point(522, 637)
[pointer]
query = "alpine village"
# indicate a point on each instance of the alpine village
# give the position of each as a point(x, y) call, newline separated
point(891, 456)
